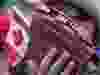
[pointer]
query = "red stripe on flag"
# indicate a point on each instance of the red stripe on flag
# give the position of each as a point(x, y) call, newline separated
point(12, 55)
point(4, 23)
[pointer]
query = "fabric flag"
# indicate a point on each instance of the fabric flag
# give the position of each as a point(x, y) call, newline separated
point(4, 23)
point(12, 56)
point(17, 38)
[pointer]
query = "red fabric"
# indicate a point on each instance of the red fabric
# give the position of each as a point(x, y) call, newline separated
point(12, 55)
point(4, 27)
point(4, 23)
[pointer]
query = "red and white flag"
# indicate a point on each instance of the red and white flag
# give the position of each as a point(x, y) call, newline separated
point(17, 38)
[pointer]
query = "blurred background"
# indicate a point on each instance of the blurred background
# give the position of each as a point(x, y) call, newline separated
point(71, 8)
